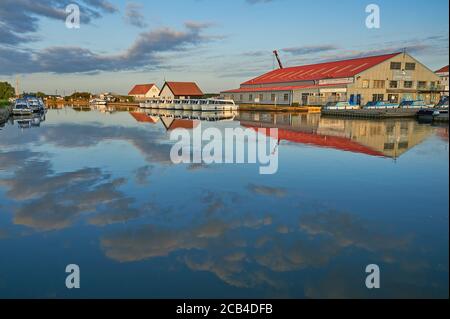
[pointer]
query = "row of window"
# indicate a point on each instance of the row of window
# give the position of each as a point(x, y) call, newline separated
point(380, 84)
point(398, 66)
point(251, 97)
point(393, 98)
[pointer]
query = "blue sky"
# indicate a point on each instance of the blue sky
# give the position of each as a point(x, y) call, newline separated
point(218, 44)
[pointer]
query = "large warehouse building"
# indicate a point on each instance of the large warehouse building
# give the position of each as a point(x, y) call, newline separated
point(392, 77)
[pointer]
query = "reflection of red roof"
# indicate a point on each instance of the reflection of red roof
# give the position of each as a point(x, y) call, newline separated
point(329, 70)
point(336, 142)
point(184, 88)
point(443, 70)
point(186, 124)
point(142, 117)
point(141, 89)
point(442, 132)
point(282, 88)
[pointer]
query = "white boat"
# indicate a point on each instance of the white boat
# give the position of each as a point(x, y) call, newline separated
point(205, 105)
point(188, 105)
point(97, 102)
point(22, 107)
point(340, 106)
point(178, 105)
point(217, 105)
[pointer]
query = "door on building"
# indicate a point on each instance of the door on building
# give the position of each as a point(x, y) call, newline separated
point(305, 98)
point(358, 99)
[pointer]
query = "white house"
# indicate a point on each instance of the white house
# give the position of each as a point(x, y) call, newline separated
point(144, 91)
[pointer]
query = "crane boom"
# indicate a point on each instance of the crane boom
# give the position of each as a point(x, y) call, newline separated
point(278, 59)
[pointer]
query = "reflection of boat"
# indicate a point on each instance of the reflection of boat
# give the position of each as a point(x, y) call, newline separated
point(194, 115)
point(30, 120)
point(205, 105)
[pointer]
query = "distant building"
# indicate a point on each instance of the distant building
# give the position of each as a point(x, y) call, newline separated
point(180, 90)
point(391, 77)
point(443, 74)
point(144, 91)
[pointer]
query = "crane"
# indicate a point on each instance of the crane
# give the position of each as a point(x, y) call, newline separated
point(278, 59)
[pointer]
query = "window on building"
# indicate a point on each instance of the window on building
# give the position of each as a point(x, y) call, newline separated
point(396, 65)
point(365, 84)
point(408, 84)
point(433, 84)
point(421, 84)
point(241, 97)
point(232, 97)
point(286, 97)
point(377, 97)
point(410, 66)
point(393, 84)
point(272, 97)
point(250, 97)
point(379, 84)
point(261, 97)
point(393, 98)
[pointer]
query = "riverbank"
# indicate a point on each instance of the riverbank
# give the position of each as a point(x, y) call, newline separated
point(5, 112)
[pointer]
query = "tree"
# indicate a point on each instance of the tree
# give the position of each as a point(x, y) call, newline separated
point(6, 91)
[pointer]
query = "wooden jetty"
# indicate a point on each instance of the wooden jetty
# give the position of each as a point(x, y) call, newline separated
point(372, 114)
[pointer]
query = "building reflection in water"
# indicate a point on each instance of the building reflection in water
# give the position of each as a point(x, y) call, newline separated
point(388, 138)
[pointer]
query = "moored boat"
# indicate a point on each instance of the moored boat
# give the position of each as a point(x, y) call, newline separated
point(21, 107)
point(413, 104)
point(205, 105)
point(340, 106)
point(376, 105)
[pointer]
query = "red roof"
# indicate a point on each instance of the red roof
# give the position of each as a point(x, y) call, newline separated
point(141, 89)
point(282, 88)
point(143, 118)
point(443, 70)
point(328, 70)
point(315, 139)
point(184, 88)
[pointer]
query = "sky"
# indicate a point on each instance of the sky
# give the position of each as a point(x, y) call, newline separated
point(218, 44)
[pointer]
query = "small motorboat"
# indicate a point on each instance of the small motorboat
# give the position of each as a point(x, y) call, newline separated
point(377, 105)
point(340, 106)
point(413, 104)
point(97, 102)
point(21, 107)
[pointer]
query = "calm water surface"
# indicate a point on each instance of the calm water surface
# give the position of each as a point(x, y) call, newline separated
point(98, 189)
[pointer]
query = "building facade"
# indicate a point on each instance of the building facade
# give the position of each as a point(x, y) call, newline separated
point(392, 77)
point(144, 91)
point(443, 74)
point(180, 90)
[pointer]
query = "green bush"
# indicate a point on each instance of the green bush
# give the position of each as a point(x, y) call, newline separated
point(4, 103)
